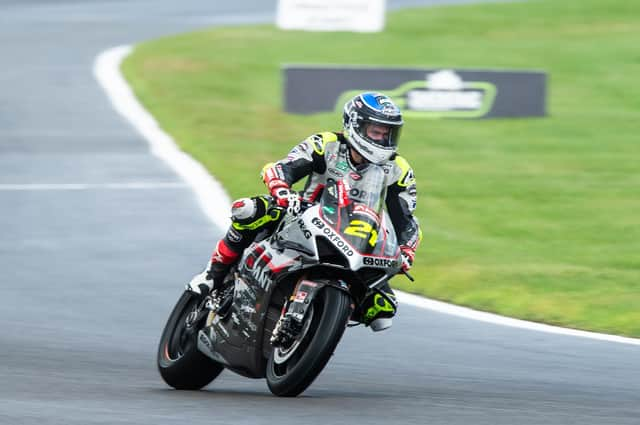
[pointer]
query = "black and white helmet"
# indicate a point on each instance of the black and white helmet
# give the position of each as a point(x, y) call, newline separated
point(372, 124)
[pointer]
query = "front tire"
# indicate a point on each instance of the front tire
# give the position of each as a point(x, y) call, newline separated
point(180, 363)
point(329, 314)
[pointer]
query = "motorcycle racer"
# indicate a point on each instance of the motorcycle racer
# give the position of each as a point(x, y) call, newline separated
point(371, 131)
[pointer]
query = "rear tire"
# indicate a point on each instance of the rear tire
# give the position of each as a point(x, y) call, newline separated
point(329, 315)
point(180, 363)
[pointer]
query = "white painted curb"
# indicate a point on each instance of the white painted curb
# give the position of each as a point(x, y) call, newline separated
point(211, 195)
point(482, 316)
point(215, 202)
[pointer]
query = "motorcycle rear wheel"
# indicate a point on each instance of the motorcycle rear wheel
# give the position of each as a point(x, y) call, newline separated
point(180, 363)
point(329, 316)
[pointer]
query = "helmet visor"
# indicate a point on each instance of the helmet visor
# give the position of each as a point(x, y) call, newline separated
point(380, 134)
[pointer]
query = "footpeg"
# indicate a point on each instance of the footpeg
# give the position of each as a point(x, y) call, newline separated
point(220, 301)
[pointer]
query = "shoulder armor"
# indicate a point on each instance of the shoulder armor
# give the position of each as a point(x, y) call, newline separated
point(319, 141)
point(407, 178)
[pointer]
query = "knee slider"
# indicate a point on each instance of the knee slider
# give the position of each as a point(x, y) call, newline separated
point(243, 209)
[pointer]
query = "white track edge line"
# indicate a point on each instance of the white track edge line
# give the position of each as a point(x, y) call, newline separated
point(481, 316)
point(215, 202)
point(212, 197)
point(91, 186)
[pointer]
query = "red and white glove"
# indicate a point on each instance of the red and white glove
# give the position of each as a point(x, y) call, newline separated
point(408, 254)
point(288, 199)
point(280, 190)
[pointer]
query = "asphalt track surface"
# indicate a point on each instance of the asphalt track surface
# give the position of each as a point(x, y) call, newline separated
point(97, 236)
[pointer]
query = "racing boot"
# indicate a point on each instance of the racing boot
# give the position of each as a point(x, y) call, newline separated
point(379, 315)
point(212, 278)
point(221, 261)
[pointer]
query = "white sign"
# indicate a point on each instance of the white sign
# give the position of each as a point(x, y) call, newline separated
point(446, 91)
point(331, 15)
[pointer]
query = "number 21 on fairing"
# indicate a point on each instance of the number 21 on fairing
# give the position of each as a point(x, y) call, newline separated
point(362, 229)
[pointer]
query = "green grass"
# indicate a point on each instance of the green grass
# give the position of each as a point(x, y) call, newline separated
point(533, 218)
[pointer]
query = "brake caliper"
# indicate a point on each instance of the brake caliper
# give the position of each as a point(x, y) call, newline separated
point(291, 320)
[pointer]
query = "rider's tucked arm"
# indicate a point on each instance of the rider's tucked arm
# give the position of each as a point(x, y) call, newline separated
point(401, 204)
point(302, 160)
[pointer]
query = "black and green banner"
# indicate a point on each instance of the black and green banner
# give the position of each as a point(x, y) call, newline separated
point(420, 93)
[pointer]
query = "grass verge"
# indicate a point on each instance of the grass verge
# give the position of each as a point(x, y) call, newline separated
point(532, 218)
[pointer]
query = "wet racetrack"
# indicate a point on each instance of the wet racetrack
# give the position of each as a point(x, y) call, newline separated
point(92, 263)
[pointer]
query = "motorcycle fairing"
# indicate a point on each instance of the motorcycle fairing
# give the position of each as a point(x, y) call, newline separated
point(351, 219)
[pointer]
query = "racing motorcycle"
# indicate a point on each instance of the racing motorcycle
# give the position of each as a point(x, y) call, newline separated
point(316, 269)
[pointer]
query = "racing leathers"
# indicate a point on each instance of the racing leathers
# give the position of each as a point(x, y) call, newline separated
point(321, 157)
point(326, 155)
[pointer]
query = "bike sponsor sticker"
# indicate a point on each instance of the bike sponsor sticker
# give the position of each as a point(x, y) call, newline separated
point(336, 172)
point(301, 296)
point(359, 194)
point(338, 241)
point(342, 166)
point(335, 238)
point(366, 211)
point(329, 210)
point(303, 229)
point(379, 262)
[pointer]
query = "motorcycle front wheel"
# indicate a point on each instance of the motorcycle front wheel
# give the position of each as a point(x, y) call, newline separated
point(180, 363)
point(291, 370)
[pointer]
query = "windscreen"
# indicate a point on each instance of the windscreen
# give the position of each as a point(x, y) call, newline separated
point(354, 207)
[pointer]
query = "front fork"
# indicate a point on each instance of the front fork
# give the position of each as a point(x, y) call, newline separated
point(296, 308)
